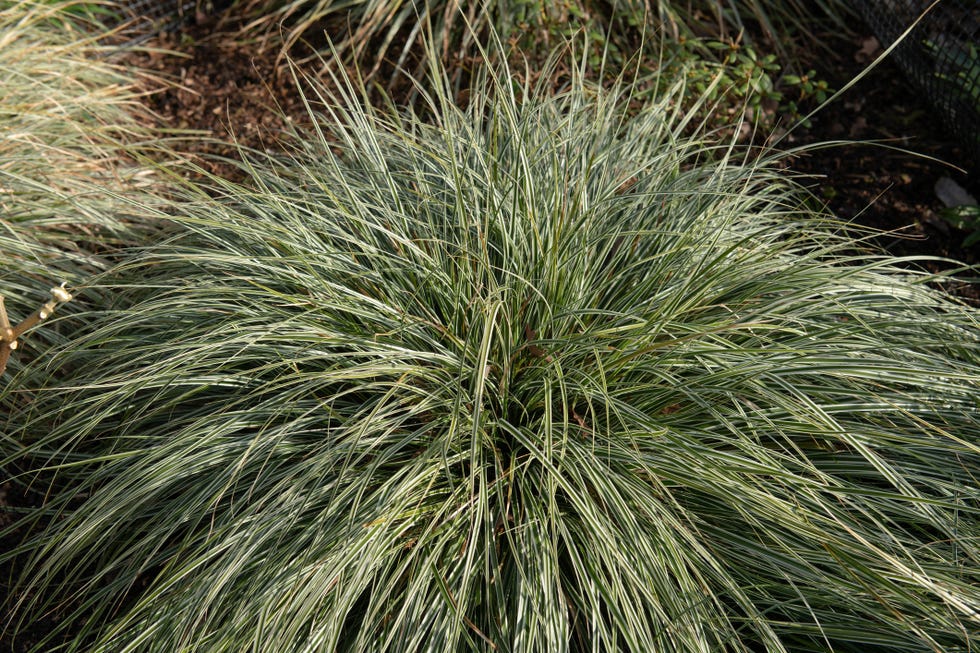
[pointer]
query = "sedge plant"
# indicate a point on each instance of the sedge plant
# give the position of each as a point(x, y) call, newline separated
point(71, 129)
point(536, 374)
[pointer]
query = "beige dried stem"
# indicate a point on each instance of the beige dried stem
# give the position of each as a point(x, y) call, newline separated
point(9, 334)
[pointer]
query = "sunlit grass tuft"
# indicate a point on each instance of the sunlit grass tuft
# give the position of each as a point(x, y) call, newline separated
point(537, 378)
point(70, 123)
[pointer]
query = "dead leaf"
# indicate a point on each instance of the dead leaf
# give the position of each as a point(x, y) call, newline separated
point(869, 51)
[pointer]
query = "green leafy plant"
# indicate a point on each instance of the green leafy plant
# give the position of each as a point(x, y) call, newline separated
point(808, 89)
point(532, 376)
point(967, 218)
point(729, 79)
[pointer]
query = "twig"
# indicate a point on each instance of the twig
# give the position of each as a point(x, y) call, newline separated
point(9, 334)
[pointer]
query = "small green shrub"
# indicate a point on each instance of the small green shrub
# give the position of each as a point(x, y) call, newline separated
point(967, 218)
point(537, 378)
point(729, 78)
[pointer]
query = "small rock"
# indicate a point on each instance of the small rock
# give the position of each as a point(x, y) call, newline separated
point(952, 194)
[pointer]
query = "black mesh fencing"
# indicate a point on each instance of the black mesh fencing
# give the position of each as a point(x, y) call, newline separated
point(940, 56)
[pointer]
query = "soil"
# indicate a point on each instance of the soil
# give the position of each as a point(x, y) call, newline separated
point(231, 92)
point(890, 186)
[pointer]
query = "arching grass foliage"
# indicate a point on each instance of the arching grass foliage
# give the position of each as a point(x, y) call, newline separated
point(70, 125)
point(539, 377)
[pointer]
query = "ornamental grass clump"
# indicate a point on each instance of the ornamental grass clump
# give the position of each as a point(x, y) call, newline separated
point(70, 125)
point(534, 376)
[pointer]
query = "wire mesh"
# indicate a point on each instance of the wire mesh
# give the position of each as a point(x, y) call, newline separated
point(940, 56)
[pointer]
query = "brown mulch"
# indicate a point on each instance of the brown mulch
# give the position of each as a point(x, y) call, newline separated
point(204, 85)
